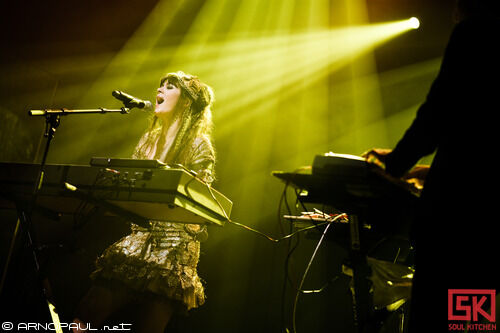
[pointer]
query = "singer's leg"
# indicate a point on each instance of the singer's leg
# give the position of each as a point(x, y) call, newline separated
point(154, 315)
point(99, 303)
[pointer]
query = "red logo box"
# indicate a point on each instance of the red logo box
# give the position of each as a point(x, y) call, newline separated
point(472, 302)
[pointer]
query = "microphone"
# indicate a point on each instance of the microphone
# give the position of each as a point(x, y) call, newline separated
point(131, 101)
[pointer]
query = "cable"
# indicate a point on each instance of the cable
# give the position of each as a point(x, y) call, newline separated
point(288, 259)
point(274, 240)
point(317, 291)
point(299, 290)
point(277, 240)
point(305, 274)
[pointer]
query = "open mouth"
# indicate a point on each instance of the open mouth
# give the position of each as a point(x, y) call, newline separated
point(159, 99)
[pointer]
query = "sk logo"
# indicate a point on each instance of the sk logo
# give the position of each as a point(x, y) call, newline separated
point(471, 305)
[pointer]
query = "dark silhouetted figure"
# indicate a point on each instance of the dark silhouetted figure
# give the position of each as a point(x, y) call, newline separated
point(456, 232)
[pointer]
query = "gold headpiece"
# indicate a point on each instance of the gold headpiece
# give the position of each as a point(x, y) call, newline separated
point(199, 92)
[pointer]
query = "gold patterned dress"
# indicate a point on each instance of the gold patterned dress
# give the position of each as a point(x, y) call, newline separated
point(162, 259)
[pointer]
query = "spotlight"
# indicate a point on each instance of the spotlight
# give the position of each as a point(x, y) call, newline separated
point(414, 23)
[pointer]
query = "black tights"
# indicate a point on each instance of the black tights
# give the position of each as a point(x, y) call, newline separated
point(151, 314)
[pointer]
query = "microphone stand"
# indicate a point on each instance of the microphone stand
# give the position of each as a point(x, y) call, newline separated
point(25, 210)
point(65, 112)
point(52, 121)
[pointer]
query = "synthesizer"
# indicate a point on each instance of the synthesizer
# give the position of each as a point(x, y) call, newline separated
point(147, 191)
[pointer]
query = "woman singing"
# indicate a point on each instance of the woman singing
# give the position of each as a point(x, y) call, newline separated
point(155, 268)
